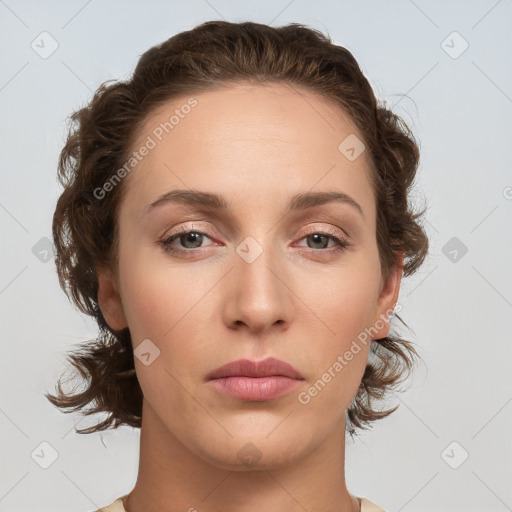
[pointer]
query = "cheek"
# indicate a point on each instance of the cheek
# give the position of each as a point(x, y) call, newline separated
point(162, 305)
point(166, 306)
point(157, 297)
point(338, 359)
point(346, 302)
point(346, 308)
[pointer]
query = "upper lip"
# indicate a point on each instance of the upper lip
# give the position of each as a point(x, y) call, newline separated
point(247, 368)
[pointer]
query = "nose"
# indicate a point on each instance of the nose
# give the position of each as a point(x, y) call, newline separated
point(258, 293)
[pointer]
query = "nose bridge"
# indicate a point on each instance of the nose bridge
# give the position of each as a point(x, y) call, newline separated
point(260, 298)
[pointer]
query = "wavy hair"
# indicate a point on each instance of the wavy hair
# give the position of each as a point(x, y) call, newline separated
point(102, 134)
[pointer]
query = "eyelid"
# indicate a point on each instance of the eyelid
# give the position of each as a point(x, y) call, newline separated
point(335, 231)
point(187, 228)
point(329, 229)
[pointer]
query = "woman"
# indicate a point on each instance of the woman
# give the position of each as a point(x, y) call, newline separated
point(236, 219)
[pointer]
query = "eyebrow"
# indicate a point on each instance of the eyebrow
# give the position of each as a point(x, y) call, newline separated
point(211, 201)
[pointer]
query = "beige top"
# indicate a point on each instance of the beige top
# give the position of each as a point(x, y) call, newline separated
point(366, 506)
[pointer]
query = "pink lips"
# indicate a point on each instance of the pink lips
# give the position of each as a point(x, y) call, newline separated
point(255, 380)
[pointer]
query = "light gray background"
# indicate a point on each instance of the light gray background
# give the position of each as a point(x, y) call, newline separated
point(459, 107)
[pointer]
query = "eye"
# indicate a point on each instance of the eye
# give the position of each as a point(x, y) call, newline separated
point(321, 239)
point(191, 239)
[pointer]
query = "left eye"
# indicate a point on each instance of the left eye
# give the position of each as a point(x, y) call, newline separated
point(195, 238)
point(340, 243)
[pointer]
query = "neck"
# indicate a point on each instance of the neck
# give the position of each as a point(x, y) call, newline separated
point(172, 478)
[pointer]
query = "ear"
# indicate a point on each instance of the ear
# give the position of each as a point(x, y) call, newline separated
point(388, 297)
point(109, 300)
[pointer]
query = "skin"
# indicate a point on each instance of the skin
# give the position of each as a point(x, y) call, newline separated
point(298, 301)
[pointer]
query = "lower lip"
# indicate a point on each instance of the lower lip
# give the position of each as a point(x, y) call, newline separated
point(255, 389)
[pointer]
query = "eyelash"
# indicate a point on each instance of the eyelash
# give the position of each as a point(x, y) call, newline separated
point(341, 244)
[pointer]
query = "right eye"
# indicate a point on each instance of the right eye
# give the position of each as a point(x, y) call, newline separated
point(185, 237)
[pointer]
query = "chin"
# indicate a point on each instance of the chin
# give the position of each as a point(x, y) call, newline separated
point(255, 452)
point(249, 462)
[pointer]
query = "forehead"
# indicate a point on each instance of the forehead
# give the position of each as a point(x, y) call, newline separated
point(250, 138)
point(248, 111)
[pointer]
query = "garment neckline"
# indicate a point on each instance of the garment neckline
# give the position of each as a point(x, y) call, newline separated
point(361, 500)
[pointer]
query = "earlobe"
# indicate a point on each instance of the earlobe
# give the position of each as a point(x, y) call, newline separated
point(109, 300)
point(388, 298)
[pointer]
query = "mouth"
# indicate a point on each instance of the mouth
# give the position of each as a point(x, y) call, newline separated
point(255, 381)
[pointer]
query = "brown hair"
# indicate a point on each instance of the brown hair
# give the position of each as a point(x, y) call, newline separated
point(102, 135)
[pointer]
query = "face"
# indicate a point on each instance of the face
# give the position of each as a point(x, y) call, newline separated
point(265, 273)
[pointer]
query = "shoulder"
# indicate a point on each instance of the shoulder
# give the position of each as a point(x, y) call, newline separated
point(116, 506)
point(369, 506)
